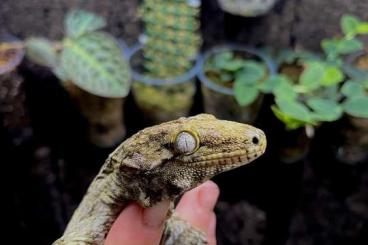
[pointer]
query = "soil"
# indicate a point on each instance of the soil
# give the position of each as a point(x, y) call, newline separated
point(318, 200)
point(362, 62)
point(245, 224)
point(293, 71)
point(333, 205)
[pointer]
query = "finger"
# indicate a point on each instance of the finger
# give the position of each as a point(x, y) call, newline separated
point(196, 206)
point(138, 226)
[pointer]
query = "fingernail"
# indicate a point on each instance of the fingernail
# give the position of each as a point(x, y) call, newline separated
point(155, 216)
point(208, 195)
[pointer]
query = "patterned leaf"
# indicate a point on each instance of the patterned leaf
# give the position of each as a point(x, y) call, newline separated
point(77, 22)
point(95, 63)
point(41, 51)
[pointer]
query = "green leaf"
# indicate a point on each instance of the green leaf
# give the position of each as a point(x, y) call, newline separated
point(226, 61)
point(352, 89)
point(41, 51)
point(294, 109)
point(335, 47)
point(232, 65)
point(284, 89)
point(332, 75)
point(290, 56)
point(331, 92)
point(349, 25)
point(252, 71)
point(245, 94)
point(290, 123)
point(348, 46)
point(220, 60)
point(324, 110)
point(270, 83)
point(311, 77)
point(363, 28)
point(287, 56)
point(329, 46)
point(60, 73)
point(95, 63)
point(365, 84)
point(357, 106)
point(78, 22)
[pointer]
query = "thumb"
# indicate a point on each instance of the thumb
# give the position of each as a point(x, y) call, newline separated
point(138, 226)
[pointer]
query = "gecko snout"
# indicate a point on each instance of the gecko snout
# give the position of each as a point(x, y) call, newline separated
point(258, 139)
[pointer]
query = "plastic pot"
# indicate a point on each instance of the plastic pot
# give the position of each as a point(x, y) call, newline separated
point(104, 116)
point(355, 141)
point(219, 100)
point(357, 65)
point(12, 94)
point(162, 100)
point(247, 8)
point(354, 148)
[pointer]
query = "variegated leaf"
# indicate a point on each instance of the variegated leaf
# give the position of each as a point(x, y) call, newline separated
point(77, 22)
point(41, 51)
point(94, 62)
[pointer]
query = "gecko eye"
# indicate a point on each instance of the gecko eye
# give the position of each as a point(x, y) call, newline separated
point(186, 143)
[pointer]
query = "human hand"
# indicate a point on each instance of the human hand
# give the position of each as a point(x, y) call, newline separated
point(138, 226)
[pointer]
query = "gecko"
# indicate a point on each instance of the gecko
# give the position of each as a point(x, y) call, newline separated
point(161, 163)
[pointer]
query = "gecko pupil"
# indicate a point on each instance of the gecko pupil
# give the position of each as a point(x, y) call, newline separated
point(255, 140)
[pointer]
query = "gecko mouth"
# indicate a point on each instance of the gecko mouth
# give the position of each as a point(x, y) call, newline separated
point(227, 160)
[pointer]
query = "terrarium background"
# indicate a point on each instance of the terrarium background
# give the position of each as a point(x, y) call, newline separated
point(44, 178)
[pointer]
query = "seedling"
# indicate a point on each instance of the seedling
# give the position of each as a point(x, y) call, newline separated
point(244, 75)
point(312, 96)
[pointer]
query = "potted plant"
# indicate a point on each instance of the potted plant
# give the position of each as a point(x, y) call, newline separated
point(354, 149)
point(91, 67)
point(232, 81)
point(12, 94)
point(306, 94)
point(349, 51)
point(164, 83)
point(247, 8)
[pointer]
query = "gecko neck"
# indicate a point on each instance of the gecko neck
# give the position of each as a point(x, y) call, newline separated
point(103, 202)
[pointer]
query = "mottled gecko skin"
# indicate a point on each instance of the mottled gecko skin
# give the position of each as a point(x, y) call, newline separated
point(160, 163)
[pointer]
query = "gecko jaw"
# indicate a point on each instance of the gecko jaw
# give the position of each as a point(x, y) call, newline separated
point(227, 160)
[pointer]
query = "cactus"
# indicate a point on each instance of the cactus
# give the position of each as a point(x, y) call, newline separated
point(171, 46)
point(173, 41)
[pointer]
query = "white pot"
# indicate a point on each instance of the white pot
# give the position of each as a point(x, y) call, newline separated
point(247, 8)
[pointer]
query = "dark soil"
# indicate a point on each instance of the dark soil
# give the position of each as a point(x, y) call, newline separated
point(317, 200)
point(362, 62)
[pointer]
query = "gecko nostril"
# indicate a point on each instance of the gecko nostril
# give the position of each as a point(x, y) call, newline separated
point(255, 140)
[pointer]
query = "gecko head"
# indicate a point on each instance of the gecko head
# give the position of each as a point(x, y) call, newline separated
point(176, 156)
